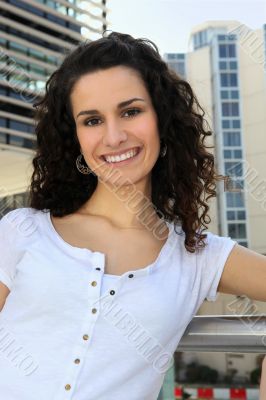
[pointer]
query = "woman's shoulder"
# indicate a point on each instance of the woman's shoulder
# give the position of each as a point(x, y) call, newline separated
point(21, 221)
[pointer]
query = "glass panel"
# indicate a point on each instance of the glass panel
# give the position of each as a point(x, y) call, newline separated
point(232, 231)
point(238, 153)
point(18, 47)
point(233, 79)
point(237, 231)
point(241, 214)
point(225, 124)
point(224, 80)
point(227, 154)
point(231, 215)
point(226, 109)
point(222, 50)
point(236, 123)
point(223, 65)
point(242, 231)
point(233, 65)
point(232, 50)
point(234, 94)
point(16, 140)
point(20, 126)
point(224, 94)
point(235, 109)
point(3, 122)
point(233, 168)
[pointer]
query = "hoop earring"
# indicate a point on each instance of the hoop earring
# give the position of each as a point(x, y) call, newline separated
point(83, 169)
point(163, 151)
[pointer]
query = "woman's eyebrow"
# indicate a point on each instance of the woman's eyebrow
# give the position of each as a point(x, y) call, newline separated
point(120, 105)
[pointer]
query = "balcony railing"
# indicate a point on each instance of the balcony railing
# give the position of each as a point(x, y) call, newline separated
point(220, 333)
point(225, 333)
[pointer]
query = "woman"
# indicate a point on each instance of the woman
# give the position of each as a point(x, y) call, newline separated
point(104, 270)
point(263, 380)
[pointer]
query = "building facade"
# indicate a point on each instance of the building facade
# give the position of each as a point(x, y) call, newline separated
point(34, 37)
point(225, 65)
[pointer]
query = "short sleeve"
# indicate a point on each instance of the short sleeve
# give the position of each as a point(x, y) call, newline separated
point(216, 253)
point(15, 230)
point(7, 261)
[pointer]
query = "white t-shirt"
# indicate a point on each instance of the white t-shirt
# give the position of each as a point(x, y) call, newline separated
point(70, 331)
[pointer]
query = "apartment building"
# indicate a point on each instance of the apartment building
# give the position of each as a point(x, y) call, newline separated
point(34, 37)
point(225, 65)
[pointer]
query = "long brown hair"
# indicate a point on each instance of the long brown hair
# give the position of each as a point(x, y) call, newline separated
point(182, 181)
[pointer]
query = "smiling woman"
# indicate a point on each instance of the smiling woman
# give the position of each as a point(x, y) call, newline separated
point(109, 97)
point(104, 270)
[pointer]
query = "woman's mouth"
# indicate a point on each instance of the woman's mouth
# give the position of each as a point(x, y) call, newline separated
point(120, 162)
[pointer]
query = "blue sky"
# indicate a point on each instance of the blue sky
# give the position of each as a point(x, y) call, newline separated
point(169, 22)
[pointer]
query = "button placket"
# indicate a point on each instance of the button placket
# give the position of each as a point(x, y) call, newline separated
point(78, 355)
point(84, 341)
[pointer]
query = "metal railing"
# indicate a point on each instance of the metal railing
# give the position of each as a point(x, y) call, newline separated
point(225, 333)
point(220, 333)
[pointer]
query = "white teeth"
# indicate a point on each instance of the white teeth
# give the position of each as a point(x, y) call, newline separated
point(122, 157)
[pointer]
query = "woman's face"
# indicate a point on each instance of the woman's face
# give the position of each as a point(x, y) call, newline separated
point(105, 127)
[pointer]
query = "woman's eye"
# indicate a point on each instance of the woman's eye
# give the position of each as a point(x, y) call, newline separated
point(89, 120)
point(133, 109)
point(132, 112)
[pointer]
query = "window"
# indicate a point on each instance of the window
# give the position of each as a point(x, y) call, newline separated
point(18, 47)
point(234, 94)
point(234, 199)
point(20, 126)
point(3, 41)
point(231, 215)
point(233, 65)
point(225, 94)
point(233, 79)
point(237, 231)
point(229, 79)
point(3, 122)
point(237, 153)
point(222, 50)
point(232, 50)
point(223, 65)
point(230, 109)
point(227, 154)
point(227, 50)
point(233, 168)
point(236, 123)
point(225, 124)
point(234, 185)
point(241, 214)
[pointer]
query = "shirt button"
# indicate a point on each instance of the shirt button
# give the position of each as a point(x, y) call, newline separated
point(94, 310)
point(85, 337)
point(93, 283)
point(68, 387)
point(98, 269)
point(112, 292)
point(130, 275)
point(77, 361)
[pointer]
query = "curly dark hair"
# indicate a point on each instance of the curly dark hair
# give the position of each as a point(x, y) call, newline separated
point(182, 181)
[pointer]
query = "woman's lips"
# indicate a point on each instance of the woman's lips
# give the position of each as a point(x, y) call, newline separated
point(124, 162)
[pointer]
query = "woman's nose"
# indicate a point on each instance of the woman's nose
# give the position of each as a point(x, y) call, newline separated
point(114, 134)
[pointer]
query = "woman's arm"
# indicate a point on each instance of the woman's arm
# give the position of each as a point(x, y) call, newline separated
point(244, 274)
point(4, 292)
point(263, 380)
